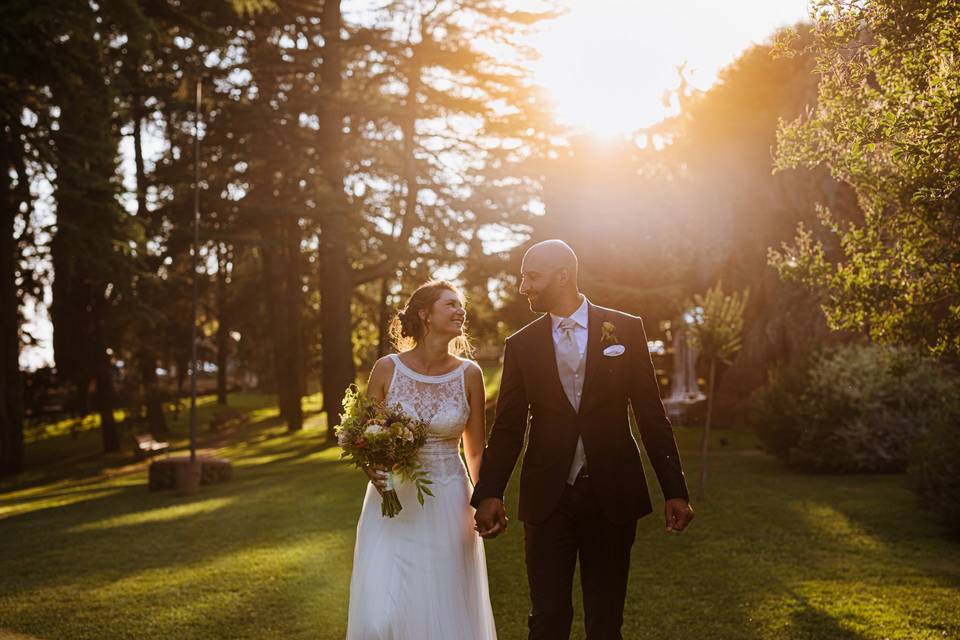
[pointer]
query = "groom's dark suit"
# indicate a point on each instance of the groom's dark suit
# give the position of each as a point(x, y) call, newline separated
point(594, 518)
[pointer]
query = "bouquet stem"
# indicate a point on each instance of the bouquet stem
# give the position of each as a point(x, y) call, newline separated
point(389, 502)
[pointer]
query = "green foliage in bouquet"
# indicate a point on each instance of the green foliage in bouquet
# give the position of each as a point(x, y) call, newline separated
point(372, 433)
point(859, 408)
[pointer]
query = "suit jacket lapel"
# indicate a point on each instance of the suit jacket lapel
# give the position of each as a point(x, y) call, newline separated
point(552, 373)
point(594, 329)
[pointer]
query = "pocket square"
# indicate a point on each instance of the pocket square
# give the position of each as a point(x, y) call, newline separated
point(614, 350)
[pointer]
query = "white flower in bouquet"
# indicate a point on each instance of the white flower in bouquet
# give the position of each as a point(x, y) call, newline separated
point(374, 427)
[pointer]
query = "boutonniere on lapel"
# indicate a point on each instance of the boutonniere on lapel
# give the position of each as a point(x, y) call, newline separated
point(609, 342)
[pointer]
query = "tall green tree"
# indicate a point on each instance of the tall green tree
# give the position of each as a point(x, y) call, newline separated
point(209, 42)
point(11, 403)
point(89, 248)
point(438, 135)
point(337, 222)
point(147, 66)
point(279, 156)
point(28, 63)
point(885, 123)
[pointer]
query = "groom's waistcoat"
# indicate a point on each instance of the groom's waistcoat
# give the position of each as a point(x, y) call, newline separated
point(531, 391)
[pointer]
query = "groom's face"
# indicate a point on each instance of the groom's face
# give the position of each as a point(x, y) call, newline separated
point(540, 284)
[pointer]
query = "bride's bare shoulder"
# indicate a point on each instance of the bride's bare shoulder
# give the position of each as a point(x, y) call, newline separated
point(380, 376)
point(385, 363)
point(470, 368)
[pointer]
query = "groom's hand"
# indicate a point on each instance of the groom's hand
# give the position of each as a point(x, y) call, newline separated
point(679, 513)
point(491, 518)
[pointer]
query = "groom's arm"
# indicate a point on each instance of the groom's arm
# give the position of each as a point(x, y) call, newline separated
point(655, 429)
point(506, 435)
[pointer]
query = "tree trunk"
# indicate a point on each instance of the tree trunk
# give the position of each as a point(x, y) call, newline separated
point(706, 430)
point(73, 350)
point(293, 318)
point(156, 420)
point(105, 396)
point(408, 126)
point(89, 224)
point(336, 291)
point(284, 315)
point(223, 329)
point(138, 154)
point(182, 363)
point(336, 287)
point(11, 402)
point(271, 289)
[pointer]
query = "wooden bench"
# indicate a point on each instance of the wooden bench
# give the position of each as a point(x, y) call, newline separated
point(147, 445)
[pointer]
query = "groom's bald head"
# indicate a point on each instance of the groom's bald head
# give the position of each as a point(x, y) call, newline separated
point(549, 275)
point(555, 254)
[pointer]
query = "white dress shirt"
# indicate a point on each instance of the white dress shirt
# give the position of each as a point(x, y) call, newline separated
point(580, 333)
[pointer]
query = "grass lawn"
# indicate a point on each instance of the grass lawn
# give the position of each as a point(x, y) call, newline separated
point(87, 552)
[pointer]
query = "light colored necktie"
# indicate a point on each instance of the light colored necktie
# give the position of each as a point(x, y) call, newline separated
point(568, 361)
point(570, 367)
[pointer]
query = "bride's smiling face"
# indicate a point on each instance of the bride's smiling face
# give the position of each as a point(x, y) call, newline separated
point(447, 315)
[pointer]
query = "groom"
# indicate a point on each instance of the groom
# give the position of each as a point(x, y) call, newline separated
point(582, 488)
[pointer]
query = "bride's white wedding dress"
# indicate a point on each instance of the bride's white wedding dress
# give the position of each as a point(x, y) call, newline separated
point(422, 575)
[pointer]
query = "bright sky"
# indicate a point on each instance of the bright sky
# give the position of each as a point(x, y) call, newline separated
point(607, 63)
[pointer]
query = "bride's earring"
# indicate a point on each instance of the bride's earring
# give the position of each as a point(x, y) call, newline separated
point(426, 326)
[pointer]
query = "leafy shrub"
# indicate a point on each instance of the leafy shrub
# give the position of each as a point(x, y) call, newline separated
point(858, 408)
point(935, 469)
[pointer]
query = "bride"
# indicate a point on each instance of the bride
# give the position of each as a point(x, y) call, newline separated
point(422, 575)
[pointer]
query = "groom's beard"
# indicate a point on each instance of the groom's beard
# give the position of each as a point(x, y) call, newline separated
point(539, 303)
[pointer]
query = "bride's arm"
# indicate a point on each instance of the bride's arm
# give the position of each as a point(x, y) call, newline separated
point(377, 387)
point(473, 435)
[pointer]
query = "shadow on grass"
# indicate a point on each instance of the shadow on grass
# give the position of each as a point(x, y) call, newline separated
point(93, 464)
point(807, 621)
point(81, 541)
point(79, 457)
point(268, 551)
point(240, 564)
point(765, 537)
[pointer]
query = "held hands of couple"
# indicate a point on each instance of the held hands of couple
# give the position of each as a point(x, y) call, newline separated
point(491, 518)
point(678, 514)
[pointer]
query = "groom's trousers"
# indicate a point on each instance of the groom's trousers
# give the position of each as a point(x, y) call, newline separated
point(577, 528)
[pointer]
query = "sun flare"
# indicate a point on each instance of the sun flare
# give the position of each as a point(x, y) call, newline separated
point(607, 64)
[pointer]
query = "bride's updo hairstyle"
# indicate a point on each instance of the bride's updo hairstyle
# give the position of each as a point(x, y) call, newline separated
point(407, 329)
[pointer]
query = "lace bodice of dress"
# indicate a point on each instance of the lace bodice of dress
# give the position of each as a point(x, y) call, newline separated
point(441, 402)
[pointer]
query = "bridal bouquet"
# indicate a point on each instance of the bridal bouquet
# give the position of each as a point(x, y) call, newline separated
point(373, 433)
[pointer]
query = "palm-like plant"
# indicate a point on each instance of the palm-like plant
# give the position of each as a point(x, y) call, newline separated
point(716, 327)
